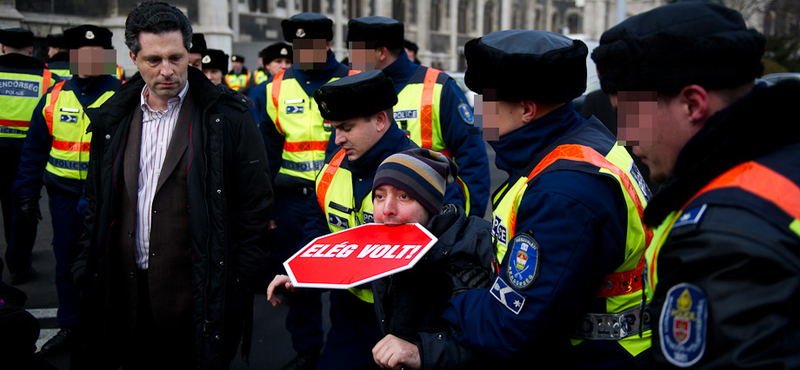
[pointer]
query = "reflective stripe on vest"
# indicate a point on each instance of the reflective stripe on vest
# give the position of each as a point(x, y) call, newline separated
point(297, 118)
point(67, 123)
point(620, 287)
point(120, 73)
point(261, 76)
point(334, 190)
point(19, 94)
point(237, 82)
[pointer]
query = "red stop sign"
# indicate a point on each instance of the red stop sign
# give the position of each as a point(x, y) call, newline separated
point(358, 255)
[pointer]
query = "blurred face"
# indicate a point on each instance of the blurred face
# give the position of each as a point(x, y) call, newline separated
point(52, 51)
point(237, 66)
point(277, 65)
point(196, 60)
point(163, 63)
point(88, 61)
point(311, 53)
point(213, 75)
point(393, 206)
point(359, 134)
point(497, 117)
point(362, 57)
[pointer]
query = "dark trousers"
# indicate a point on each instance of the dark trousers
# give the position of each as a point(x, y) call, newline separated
point(304, 320)
point(20, 233)
point(67, 229)
point(354, 332)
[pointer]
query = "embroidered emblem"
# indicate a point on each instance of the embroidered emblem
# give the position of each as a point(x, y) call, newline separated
point(89, 35)
point(691, 217)
point(337, 221)
point(523, 263)
point(683, 322)
point(324, 107)
point(368, 217)
point(499, 231)
point(206, 59)
point(300, 33)
point(292, 109)
point(69, 118)
point(284, 51)
point(507, 296)
point(326, 125)
point(466, 114)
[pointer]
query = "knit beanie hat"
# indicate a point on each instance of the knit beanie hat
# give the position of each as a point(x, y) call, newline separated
point(421, 173)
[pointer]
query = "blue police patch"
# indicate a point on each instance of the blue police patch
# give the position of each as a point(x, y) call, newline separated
point(337, 221)
point(69, 118)
point(683, 322)
point(507, 296)
point(368, 218)
point(405, 114)
point(499, 232)
point(523, 262)
point(466, 113)
point(292, 109)
point(691, 217)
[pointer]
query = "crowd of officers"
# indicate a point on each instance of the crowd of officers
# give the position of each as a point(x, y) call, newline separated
point(586, 267)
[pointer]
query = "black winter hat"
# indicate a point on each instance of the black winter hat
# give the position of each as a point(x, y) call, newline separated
point(376, 32)
point(237, 58)
point(16, 37)
point(541, 66)
point(358, 95)
point(677, 45)
point(307, 26)
point(198, 44)
point(215, 59)
point(275, 51)
point(88, 35)
point(56, 41)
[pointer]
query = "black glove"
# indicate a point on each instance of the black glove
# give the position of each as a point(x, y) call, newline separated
point(29, 207)
point(469, 277)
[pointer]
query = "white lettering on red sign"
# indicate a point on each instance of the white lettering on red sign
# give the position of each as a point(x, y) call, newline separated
point(344, 250)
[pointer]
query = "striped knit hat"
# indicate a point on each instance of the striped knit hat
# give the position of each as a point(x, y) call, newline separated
point(421, 173)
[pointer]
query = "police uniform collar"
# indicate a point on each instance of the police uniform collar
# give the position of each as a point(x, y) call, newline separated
point(401, 70)
point(15, 60)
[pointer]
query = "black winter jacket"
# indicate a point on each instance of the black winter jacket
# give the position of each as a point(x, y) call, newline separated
point(230, 194)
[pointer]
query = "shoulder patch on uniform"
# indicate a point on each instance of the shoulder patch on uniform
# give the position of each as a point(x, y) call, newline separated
point(507, 296)
point(523, 262)
point(683, 322)
point(338, 221)
point(466, 113)
point(691, 216)
point(368, 217)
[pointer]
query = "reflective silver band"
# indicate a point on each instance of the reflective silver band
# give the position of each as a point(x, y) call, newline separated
point(302, 166)
point(612, 326)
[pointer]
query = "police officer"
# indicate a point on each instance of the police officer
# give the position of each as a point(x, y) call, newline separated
point(431, 106)
point(723, 266)
point(56, 154)
point(25, 80)
point(215, 63)
point(568, 234)
point(273, 59)
point(58, 55)
point(296, 140)
point(198, 51)
point(239, 78)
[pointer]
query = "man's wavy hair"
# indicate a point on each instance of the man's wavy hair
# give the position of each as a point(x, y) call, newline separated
point(158, 18)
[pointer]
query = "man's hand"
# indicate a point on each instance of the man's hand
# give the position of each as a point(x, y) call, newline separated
point(470, 277)
point(29, 207)
point(392, 352)
point(279, 283)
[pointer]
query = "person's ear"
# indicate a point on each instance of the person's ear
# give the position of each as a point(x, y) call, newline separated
point(529, 111)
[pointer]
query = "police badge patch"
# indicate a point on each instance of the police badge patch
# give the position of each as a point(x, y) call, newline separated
point(682, 325)
point(523, 262)
point(466, 114)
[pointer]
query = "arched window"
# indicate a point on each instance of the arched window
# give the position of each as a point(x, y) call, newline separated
point(353, 9)
point(518, 11)
point(572, 23)
point(399, 10)
point(436, 14)
point(463, 6)
point(312, 6)
point(488, 18)
point(555, 26)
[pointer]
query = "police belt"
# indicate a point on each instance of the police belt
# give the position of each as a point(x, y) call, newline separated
point(613, 326)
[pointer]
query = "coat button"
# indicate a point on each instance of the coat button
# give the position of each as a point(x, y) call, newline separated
point(154, 212)
point(130, 234)
point(222, 263)
point(133, 274)
point(108, 136)
point(216, 337)
point(219, 191)
point(217, 120)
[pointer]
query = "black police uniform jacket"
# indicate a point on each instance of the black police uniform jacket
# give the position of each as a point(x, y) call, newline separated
point(229, 197)
point(738, 256)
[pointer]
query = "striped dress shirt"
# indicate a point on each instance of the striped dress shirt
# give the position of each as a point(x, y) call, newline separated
point(157, 127)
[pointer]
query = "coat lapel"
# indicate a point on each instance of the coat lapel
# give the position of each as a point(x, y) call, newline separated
point(131, 162)
point(179, 142)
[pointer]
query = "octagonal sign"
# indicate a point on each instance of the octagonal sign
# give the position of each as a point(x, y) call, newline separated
point(358, 255)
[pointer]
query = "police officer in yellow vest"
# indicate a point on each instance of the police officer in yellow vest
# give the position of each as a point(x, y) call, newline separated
point(23, 80)
point(567, 228)
point(239, 78)
point(723, 267)
point(296, 136)
point(273, 59)
point(431, 107)
point(58, 55)
point(56, 154)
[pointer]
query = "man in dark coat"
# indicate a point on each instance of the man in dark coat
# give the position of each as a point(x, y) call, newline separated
point(176, 217)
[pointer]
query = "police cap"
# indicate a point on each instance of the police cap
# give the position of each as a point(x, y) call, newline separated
point(237, 58)
point(88, 35)
point(215, 59)
point(307, 26)
point(198, 44)
point(56, 41)
point(16, 37)
point(677, 45)
point(376, 31)
point(518, 65)
point(275, 51)
point(358, 95)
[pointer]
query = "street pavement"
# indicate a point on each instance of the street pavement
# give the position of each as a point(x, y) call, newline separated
point(271, 346)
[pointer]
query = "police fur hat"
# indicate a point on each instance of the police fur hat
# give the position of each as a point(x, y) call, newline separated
point(275, 51)
point(237, 58)
point(199, 45)
point(56, 41)
point(518, 65)
point(215, 59)
point(677, 45)
point(16, 37)
point(423, 174)
point(88, 35)
point(376, 31)
point(307, 26)
point(358, 95)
